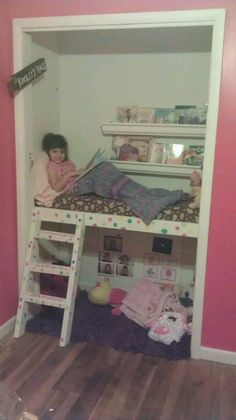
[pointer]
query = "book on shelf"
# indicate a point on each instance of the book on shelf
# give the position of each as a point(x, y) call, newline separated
point(98, 157)
point(195, 155)
point(179, 114)
point(159, 152)
point(146, 115)
point(165, 116)
point(127, 114)
point(130, 148)
point(190, 114)
point(176, 154)
point(135, 114)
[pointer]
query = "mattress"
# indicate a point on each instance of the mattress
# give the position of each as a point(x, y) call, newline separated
point(92, 203)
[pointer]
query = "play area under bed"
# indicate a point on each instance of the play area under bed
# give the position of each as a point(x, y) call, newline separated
point(179, 212)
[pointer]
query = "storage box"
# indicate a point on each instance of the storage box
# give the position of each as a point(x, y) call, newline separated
point(53, 285)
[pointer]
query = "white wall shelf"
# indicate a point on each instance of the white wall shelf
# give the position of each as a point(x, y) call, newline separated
point(144, 168)
point(167, 133)
point(170, 131)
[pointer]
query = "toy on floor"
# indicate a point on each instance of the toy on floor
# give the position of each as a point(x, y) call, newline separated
point(171, 326)
point(104, 294)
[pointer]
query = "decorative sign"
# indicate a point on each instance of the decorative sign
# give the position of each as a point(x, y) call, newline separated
point(23, 77)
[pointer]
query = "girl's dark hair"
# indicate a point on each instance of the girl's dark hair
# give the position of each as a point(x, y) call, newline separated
point(54, 141)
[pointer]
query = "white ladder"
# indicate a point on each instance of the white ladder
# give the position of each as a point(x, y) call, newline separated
point(30, 288)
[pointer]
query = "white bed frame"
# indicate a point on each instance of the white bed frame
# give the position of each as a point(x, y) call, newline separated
point(131, 223)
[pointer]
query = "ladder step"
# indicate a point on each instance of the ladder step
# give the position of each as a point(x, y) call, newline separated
point(31, 292)
point(46, 300)
point(60, 270)
point(54, 236)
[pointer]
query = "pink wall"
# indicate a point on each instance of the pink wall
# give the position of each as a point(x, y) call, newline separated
point(220, 292)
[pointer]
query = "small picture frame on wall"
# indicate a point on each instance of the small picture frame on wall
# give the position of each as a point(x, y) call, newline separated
point(151, 267)
point(124, 270)
point(112, 243)
point(152, 271)
point(106, 268)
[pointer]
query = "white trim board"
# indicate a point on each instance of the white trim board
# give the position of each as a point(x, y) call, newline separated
point(7, 328)
point(212, 17)
point(220, 356)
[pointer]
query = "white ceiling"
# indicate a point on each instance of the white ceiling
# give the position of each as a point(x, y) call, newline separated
point(128, 41)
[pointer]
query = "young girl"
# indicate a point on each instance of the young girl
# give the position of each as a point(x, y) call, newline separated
point(61, 170)
point(104, 180)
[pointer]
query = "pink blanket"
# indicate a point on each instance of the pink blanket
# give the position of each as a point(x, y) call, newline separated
point(145, 302)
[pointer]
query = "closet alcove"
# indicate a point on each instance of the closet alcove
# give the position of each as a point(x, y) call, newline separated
point(94, 65)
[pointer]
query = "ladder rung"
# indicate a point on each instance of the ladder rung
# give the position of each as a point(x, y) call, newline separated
point(54, 236)
point(44, 214)
point(60, 270)
point(46, 300)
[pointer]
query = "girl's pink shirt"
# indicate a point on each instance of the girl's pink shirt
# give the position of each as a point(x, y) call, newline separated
point(61, 169)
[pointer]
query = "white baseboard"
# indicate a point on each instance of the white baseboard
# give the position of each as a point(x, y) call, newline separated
point(216, 355)
point(7, 327)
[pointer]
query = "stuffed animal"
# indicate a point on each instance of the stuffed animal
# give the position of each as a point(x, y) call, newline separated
point(103, 294)
point(196, 182)
point(170, 327)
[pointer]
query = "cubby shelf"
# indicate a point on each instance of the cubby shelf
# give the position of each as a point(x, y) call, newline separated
point(165, 133)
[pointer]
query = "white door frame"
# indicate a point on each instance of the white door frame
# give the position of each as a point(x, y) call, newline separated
point(211, 17)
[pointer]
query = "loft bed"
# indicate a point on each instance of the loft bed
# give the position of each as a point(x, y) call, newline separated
point(177, 219)
point(82, 210)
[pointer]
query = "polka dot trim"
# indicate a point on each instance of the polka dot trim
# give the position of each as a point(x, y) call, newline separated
point(164, 230)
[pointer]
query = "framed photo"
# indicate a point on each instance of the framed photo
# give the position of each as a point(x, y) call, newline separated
point(106, 268)
point(105, 256)
point(151, 266)
point(124, 259)
point(124, 270)
point(112, 243)
point(152, 271)
point(169, 273)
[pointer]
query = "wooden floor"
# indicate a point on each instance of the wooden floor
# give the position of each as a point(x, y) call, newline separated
point(99, 383)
